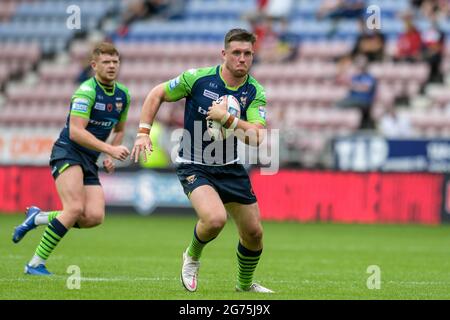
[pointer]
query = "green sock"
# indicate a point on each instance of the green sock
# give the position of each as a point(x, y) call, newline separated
point(247, 262)
point(196, 247)
point(46, 217)
point(50, 239)
point(53, 214)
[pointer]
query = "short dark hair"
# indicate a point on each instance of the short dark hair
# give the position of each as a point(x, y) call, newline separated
point(104, 48)
point(239, 35)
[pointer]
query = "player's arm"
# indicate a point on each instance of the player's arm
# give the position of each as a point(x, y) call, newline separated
point(152, 103)
point(169, 91)
point(80, 135)
point(149, 110)
point(252, 131)
point(115, 139)
point(118, 134)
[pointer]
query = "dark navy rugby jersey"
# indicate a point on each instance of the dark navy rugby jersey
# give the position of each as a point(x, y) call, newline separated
point(103, 110)
point(201, 87)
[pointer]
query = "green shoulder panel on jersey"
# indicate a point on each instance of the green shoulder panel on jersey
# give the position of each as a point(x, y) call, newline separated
point(256, 112)
point(124, 115)
point(181, 86)
point(83, 99)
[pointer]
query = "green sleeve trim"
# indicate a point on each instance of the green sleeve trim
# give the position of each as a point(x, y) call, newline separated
point(83, 99)
point(256, 112)
point(86, 89)
point(124, 115)
point(181, 86)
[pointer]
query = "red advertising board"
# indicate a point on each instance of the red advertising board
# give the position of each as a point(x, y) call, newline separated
point(24, 186)
point(289, 195)
point(350, 197)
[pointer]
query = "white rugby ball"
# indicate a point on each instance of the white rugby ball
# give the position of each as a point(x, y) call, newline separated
point(215, 129)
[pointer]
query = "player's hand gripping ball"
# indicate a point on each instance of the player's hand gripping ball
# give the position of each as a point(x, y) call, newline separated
point(215, 128)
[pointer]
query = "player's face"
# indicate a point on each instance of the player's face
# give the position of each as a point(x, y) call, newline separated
point(106, 67)
point(238, 58)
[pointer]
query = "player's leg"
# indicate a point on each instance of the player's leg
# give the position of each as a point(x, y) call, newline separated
point(247, 219)
point(69, 184)
point(94, 210)
point(211, 217)
point(211, 220)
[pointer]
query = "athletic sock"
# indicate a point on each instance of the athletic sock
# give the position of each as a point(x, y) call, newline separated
point(54, 232)
point(196, 247)
point(44, 217)
point(247, 262)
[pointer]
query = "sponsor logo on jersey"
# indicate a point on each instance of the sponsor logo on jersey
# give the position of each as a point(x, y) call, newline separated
point(243, 101)
point(191, 179)
point(202, 111)
point(80, 105)
point(211, 95)
point(100, 106)
point(174, 83)
point(100, 97)
point(119, 106)
point(213, 85)
point(262, 112)
point(109, 107)
point(101, 123)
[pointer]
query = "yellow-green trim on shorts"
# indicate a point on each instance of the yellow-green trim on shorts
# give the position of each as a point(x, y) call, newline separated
point(64, 167)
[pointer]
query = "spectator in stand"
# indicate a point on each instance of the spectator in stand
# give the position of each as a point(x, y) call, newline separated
point(274, 42)
point(274, 46)
point(340, 9)
point(393, 124)
point(409, 44)
point(337, 9)
point(433, 50)
point(143, 9)
point(432, 8)
point(361, 93)
point(370, 43)
point(85, 73)
point(279, 10)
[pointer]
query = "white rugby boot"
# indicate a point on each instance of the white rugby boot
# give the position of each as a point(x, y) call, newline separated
point(189, 272)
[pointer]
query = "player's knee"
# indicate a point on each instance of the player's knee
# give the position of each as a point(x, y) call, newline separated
point(96, 220)
point(92, 219)
point(217, 223)
point(75, 210)
point(254, 235)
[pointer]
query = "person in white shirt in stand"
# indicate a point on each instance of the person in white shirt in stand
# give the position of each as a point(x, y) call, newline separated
point(394, 124)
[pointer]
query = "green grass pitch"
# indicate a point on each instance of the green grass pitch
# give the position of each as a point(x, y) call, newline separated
point(134, 257)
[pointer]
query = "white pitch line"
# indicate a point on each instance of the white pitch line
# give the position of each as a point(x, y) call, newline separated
point(126, 279)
